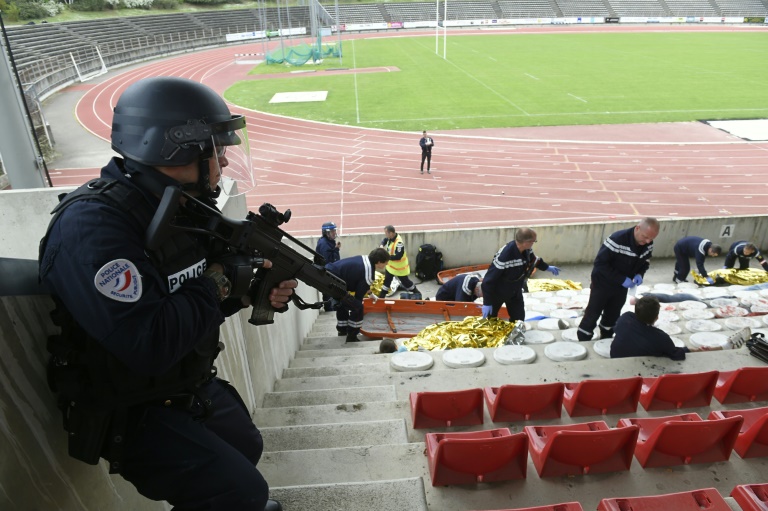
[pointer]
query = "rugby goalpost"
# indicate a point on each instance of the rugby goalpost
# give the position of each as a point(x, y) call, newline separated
point(437, 27)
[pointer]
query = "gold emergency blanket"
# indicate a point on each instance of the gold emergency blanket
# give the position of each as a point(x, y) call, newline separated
point(378, 282)
point(552, 285)
point(471, 332)
point(748, 277)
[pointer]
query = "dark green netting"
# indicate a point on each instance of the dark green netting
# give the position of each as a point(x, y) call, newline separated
point(300, 54)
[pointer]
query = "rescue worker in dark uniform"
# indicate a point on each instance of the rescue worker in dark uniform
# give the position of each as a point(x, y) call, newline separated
point(329, 248)
point(140, 325)
point(359, 272)
point(744, 251)
point(398, 265)
point(511, 266)
point(698, 248)
point(461, 288)
point(621, 263)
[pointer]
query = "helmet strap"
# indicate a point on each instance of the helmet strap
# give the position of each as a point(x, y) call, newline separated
point(203, 184)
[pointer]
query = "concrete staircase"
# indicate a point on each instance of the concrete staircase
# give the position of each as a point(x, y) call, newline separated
point(338, 433)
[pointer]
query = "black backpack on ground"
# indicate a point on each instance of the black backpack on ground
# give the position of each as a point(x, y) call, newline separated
point(429, 261)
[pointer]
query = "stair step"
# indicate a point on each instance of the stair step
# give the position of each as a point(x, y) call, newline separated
point(334, 350)
point(328, 436)
point(313, 372)
point(394, 495)
point(344, 464)
point(337, 382)
point(333, 413)
point(329, 396)
point(333, 361)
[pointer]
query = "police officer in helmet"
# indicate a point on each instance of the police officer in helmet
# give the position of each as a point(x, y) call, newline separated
point(329, 248)
point(133, 366)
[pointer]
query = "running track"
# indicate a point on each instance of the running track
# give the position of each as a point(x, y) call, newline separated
point(363, 179)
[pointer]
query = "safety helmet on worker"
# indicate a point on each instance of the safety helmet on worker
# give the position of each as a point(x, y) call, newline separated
point(327, 228)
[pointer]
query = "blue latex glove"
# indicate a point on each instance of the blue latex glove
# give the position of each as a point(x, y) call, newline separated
point(710, 280)
point(554, 269)
point(628, 283)
point(637, 280)
point(487, 309)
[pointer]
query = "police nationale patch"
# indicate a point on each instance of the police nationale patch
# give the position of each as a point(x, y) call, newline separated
point(119, 280)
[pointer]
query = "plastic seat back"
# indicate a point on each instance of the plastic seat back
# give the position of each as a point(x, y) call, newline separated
point(477, 456)
point(742, 385)
point(708, 499)
point(442, 409)
point(670, 391)
point(600, 397)
point(751, 497)
point(669, 441)
point(565, 506)
point(578, 449)
point(510, 403)
point(753, 436)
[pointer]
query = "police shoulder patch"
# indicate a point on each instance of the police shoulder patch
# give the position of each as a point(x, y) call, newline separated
point(119, 280)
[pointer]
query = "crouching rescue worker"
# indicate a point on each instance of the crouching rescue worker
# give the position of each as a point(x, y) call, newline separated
point(398, 265)
point(133, 366)
point(461, 288)
point(359, 272)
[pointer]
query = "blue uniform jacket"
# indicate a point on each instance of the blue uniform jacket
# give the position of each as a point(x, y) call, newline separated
point(460, 288)
point(506, 274)
point(357, 272)
point(637, 339)
point(737, 250)
point(148, 335)
point(696, 247)
point(620, 257)
point(326, 247)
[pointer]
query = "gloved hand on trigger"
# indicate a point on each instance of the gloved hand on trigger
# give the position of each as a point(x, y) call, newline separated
point(637, 280)
point(487, 309)
point(710, 280)
point(628, 283)
point(554, 269)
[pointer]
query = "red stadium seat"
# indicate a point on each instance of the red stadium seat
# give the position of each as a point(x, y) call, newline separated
point(576, 449)
point(441, 409)
point(683, 439)
point(751, 497)
point(510, 403)
point(708, 499)
point(565, 506)
point(600, 397)
point(742, 385)
point(476, 456)
point(753, 437)
point(670, 391)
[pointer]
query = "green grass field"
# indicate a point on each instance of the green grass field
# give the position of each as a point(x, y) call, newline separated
point(493, 81)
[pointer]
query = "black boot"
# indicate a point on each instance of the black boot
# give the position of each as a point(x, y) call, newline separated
point(273, 505)
point(352, 337)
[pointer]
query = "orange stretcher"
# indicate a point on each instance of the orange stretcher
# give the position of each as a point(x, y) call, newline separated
point(446, 275)
point(406, 318)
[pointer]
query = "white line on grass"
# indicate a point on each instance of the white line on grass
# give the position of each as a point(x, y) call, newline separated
point(531, 76)
point(580, 99)
point(487, 87)
point(354, 67)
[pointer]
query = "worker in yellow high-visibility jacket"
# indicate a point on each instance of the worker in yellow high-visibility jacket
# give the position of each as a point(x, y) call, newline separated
point(398, 262)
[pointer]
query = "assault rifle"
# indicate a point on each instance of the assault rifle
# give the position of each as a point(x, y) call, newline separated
point(249, 242)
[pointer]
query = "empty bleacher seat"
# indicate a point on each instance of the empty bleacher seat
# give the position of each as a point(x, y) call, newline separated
point(441, 409)
point(576, 449)
point(510, 403)
point(670, 391)
point(476, 456)
point(753, 435)
point(599, 397)
point(751, 497)
point(742, 385)
point(708, 499)
point(683, 439)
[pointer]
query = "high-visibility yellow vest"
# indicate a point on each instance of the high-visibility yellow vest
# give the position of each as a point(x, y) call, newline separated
point(399, 268)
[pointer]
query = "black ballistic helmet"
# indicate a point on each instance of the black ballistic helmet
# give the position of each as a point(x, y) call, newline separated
point(169, 121)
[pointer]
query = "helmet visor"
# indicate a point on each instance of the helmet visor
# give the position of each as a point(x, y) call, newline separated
point(231, 158)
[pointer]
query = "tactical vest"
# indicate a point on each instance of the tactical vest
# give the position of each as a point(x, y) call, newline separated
point(93, 386)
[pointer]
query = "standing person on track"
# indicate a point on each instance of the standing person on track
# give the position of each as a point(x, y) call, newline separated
point(621, 263)
point(744, 251)
point(697, 247)
point(426, 143)
point(507, 273)
point(398, 265)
